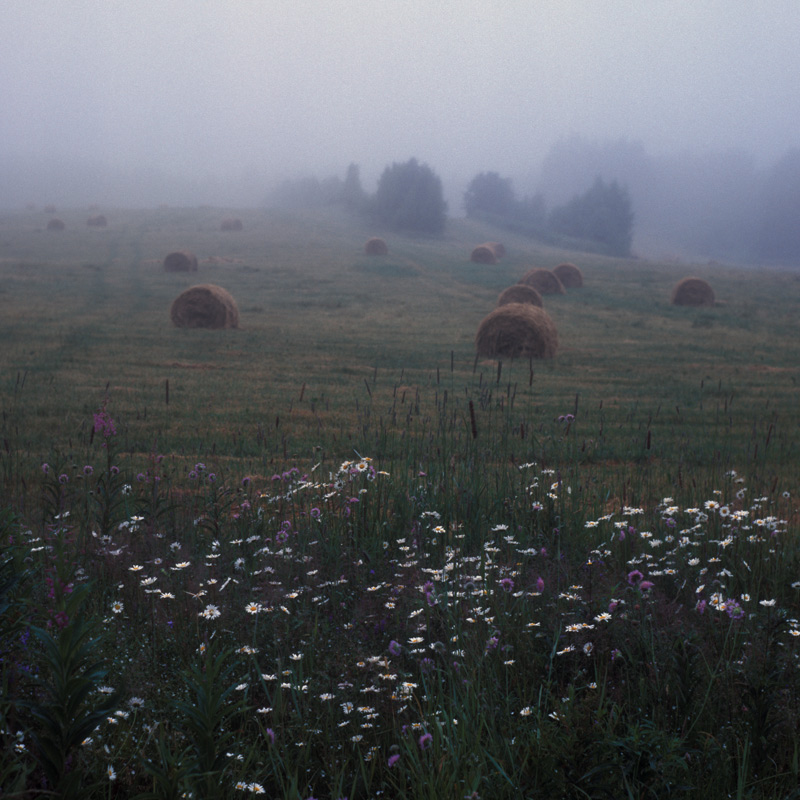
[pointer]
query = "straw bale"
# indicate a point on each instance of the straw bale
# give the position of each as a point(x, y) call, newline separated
point(483, 254)
point(692, 292)
point(97, 221)
point(376, 247)
point(205, 306)
point(569, 275)
point(499, 249)
point(181, 261)
point(231, 224)
point(517, 330)
point(55, 224)
point(544, 281)
point(520, 293)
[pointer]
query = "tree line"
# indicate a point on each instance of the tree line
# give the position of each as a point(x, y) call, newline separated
point(727, 212)
point(409, 197)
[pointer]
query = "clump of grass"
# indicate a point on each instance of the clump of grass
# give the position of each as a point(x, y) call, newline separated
point(64, 707)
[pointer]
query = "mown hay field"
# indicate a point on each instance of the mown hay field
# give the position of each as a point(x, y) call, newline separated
point(331, 553)
point(326, 332)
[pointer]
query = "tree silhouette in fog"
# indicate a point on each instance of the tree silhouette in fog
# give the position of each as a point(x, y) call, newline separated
point(601, 215)
point(779, 237)
point(409, 197)
point(488, 193)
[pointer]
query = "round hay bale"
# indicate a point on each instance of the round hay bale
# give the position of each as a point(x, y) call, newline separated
point(692, 292)
point(181, 261)
point(520, 293)
point(376, 247)
point(55, 224)
point(483, 254)
point(231, 224)
point(544, 281)
point(570, 276)
point(517, 330)
point(499, 249)
point(205, 306)
point(97, 221)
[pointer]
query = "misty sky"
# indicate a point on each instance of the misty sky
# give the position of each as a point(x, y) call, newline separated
point(238, 93)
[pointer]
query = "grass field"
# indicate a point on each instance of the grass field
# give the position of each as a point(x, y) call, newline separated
point(331, 554)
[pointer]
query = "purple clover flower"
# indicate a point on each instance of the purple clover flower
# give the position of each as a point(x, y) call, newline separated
point(634, 576)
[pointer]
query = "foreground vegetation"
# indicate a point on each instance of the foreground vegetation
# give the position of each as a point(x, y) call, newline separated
point(330, 555)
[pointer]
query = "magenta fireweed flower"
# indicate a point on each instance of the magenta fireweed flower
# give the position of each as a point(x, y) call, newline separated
point(103, 423)
point(271, 735)
point(540, 584)
point(507, 584)
point(425, 741)
point(646, 585)
point(393, 759)
point(634, 576)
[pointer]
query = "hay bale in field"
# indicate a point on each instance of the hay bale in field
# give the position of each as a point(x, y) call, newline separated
point(520, 293)
point(517, 330)
point(692, 292)
point(55, 224)
point(376, 247)
point(181, 261)
point(231, 224)
point(483, 254)
point(499, 249)
point(97, 221)
point(544, 281)
point(205, 306)
point(570, 276)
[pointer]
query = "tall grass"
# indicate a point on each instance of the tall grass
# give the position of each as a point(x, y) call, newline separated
point(346, 560)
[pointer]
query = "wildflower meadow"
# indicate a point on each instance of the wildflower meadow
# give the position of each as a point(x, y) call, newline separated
point(393, 570)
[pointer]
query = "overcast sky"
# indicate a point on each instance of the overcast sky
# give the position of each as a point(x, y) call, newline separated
point(244, 91)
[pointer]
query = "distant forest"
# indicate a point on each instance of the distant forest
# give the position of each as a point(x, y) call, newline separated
point(606, 197)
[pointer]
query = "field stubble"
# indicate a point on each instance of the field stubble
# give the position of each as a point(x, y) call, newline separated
point(520, 500)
